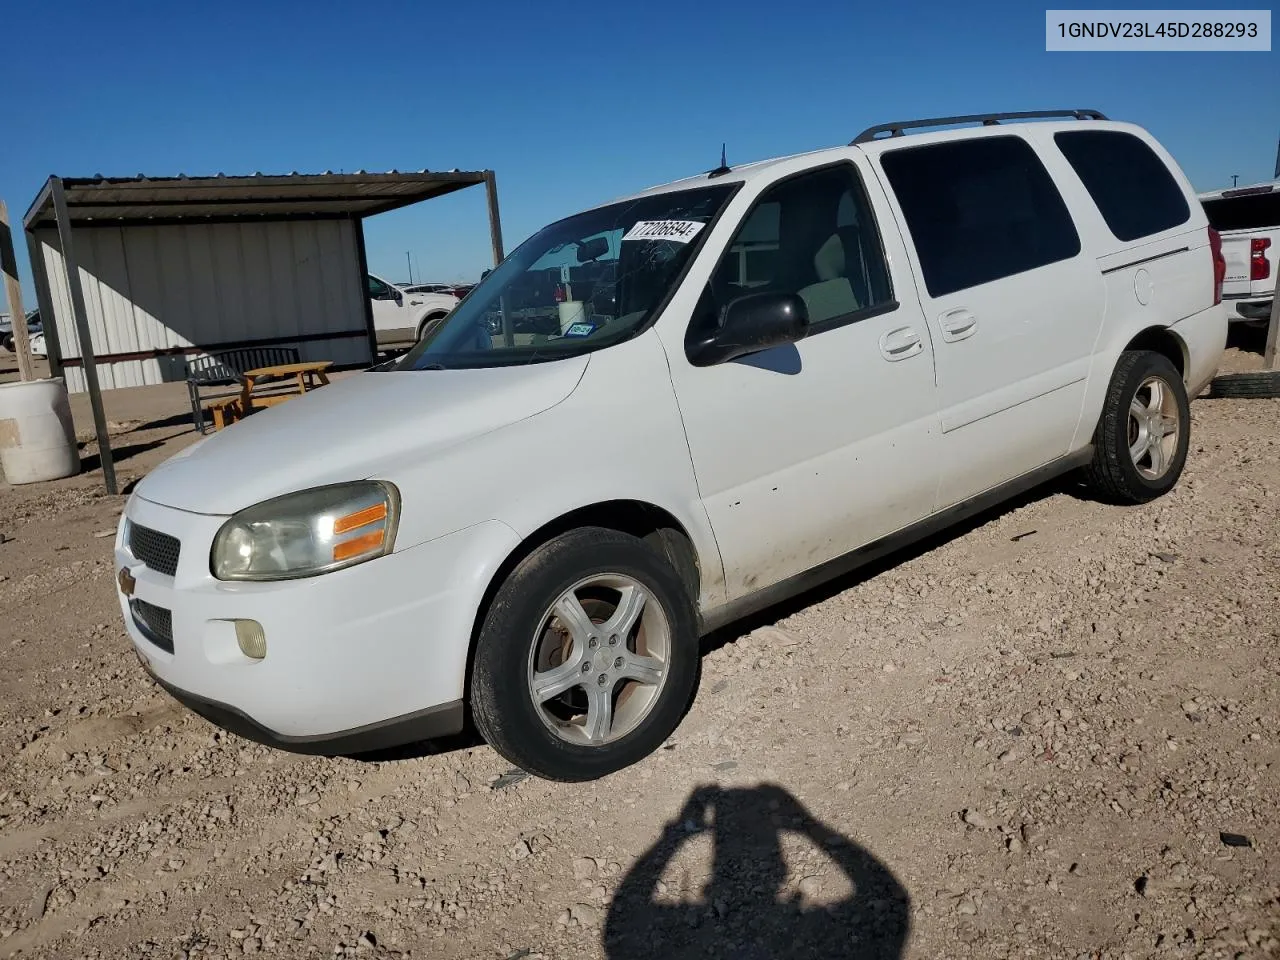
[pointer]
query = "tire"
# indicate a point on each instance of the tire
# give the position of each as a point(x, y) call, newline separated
point(1262, 385)
point(1118, 474)
point(429, 324)
point(518, 642)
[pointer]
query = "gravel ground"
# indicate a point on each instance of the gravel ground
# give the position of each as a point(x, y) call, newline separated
point(1052, 733)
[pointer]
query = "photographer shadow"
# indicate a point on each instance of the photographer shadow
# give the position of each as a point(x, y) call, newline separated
point(747, 909)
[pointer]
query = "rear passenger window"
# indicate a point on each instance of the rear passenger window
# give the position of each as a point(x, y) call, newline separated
point(979, 210)
point(1132, 187)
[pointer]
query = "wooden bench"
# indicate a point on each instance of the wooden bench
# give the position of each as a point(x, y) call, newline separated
point(224, 412)
point(226, 370)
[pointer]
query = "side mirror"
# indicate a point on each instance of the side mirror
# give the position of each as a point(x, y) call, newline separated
point(398, 297)
point(750, 324)
point(593, 249)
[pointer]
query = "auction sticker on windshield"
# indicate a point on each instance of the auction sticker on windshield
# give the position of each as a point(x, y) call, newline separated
point(681, 231)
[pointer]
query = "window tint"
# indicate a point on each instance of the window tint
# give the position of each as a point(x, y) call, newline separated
point(1250, 212)
point(979, 210)
point(1132, 187)
point(814, 236)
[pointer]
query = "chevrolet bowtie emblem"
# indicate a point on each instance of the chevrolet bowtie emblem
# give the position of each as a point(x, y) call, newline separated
point(127, 581)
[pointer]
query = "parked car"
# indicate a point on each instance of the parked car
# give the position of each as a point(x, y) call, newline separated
point(6, 329)
point(458, 290)
point(400, 316)
point(535, 529)
point(36, 343)
point(1248, 218)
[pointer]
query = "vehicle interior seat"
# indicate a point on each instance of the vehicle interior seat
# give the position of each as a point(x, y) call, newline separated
point(841, 285)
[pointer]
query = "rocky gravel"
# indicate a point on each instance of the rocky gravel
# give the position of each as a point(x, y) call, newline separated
point(1052, 733)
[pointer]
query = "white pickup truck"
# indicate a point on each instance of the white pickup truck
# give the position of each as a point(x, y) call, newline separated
point(402, 317)
point(1248, 218)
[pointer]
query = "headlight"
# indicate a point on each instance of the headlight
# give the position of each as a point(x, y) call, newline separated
point(303, 534)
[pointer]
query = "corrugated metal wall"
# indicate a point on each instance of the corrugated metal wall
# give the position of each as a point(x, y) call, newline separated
point(157, 287)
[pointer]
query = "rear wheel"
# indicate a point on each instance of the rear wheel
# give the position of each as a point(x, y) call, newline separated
point(587, 657)
point(1140, 444)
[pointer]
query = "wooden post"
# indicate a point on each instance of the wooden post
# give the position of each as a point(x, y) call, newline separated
point(495, 237)
point(495, 221)
point(1273, 328)
point(9, 267)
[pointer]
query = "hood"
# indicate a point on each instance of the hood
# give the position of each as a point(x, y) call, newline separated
point(352, 429)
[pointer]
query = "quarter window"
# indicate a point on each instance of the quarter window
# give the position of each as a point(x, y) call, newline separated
point(1133, 189)
point(979, 210)
point(814, 236)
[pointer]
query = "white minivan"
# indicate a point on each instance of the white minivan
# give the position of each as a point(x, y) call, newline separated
point(765, 376)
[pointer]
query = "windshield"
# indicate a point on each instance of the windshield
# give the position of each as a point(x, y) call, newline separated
point(583, 283)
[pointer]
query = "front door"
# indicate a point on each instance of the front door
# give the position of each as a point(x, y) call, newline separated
point(806, 451)
point(389, 311)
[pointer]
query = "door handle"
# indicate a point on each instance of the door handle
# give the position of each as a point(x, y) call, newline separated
point(900, 343)
point(957, 324)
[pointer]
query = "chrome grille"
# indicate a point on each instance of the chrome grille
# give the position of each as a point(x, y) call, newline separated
point(157, 550)
point(156, 623)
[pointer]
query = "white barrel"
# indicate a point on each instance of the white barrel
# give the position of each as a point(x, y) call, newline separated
point(37, 434)
point(571, 311)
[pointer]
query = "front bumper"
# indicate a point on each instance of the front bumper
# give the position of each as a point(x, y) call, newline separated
point(356, 659)
point(440, 721)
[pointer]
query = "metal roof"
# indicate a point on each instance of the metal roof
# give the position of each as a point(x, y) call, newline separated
point(255, 197)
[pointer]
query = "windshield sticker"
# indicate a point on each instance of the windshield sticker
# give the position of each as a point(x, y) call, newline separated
point(681, 231)
point(581, 329)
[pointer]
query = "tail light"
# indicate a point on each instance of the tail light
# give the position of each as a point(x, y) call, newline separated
point(1259, 265)
point(1219, 264)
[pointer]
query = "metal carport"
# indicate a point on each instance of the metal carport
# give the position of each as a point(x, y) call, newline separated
point(137, 274)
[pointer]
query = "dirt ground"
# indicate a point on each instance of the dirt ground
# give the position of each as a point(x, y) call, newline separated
point(1052, 733)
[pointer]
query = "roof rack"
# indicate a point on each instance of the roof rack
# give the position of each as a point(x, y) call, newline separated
point(986, 119)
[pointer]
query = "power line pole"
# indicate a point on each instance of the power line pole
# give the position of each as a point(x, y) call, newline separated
point(1234, 178)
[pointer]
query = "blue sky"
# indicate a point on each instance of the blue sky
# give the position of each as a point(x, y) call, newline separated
point(571, 103)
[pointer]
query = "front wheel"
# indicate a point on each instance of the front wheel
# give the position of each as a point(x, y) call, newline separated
point(587, 657)
point(1140, 444)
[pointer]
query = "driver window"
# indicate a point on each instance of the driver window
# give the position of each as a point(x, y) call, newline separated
point(813, 236)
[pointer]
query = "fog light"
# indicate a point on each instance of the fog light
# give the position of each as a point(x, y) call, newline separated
point(252, 639)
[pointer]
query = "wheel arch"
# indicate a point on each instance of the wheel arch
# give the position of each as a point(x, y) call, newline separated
point(641, 519)
point(1158, 338)
point(1164, 341)
point(430, 316)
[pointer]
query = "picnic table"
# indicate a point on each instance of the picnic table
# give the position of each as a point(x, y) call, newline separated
point(306, 375)
point(284, 380)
